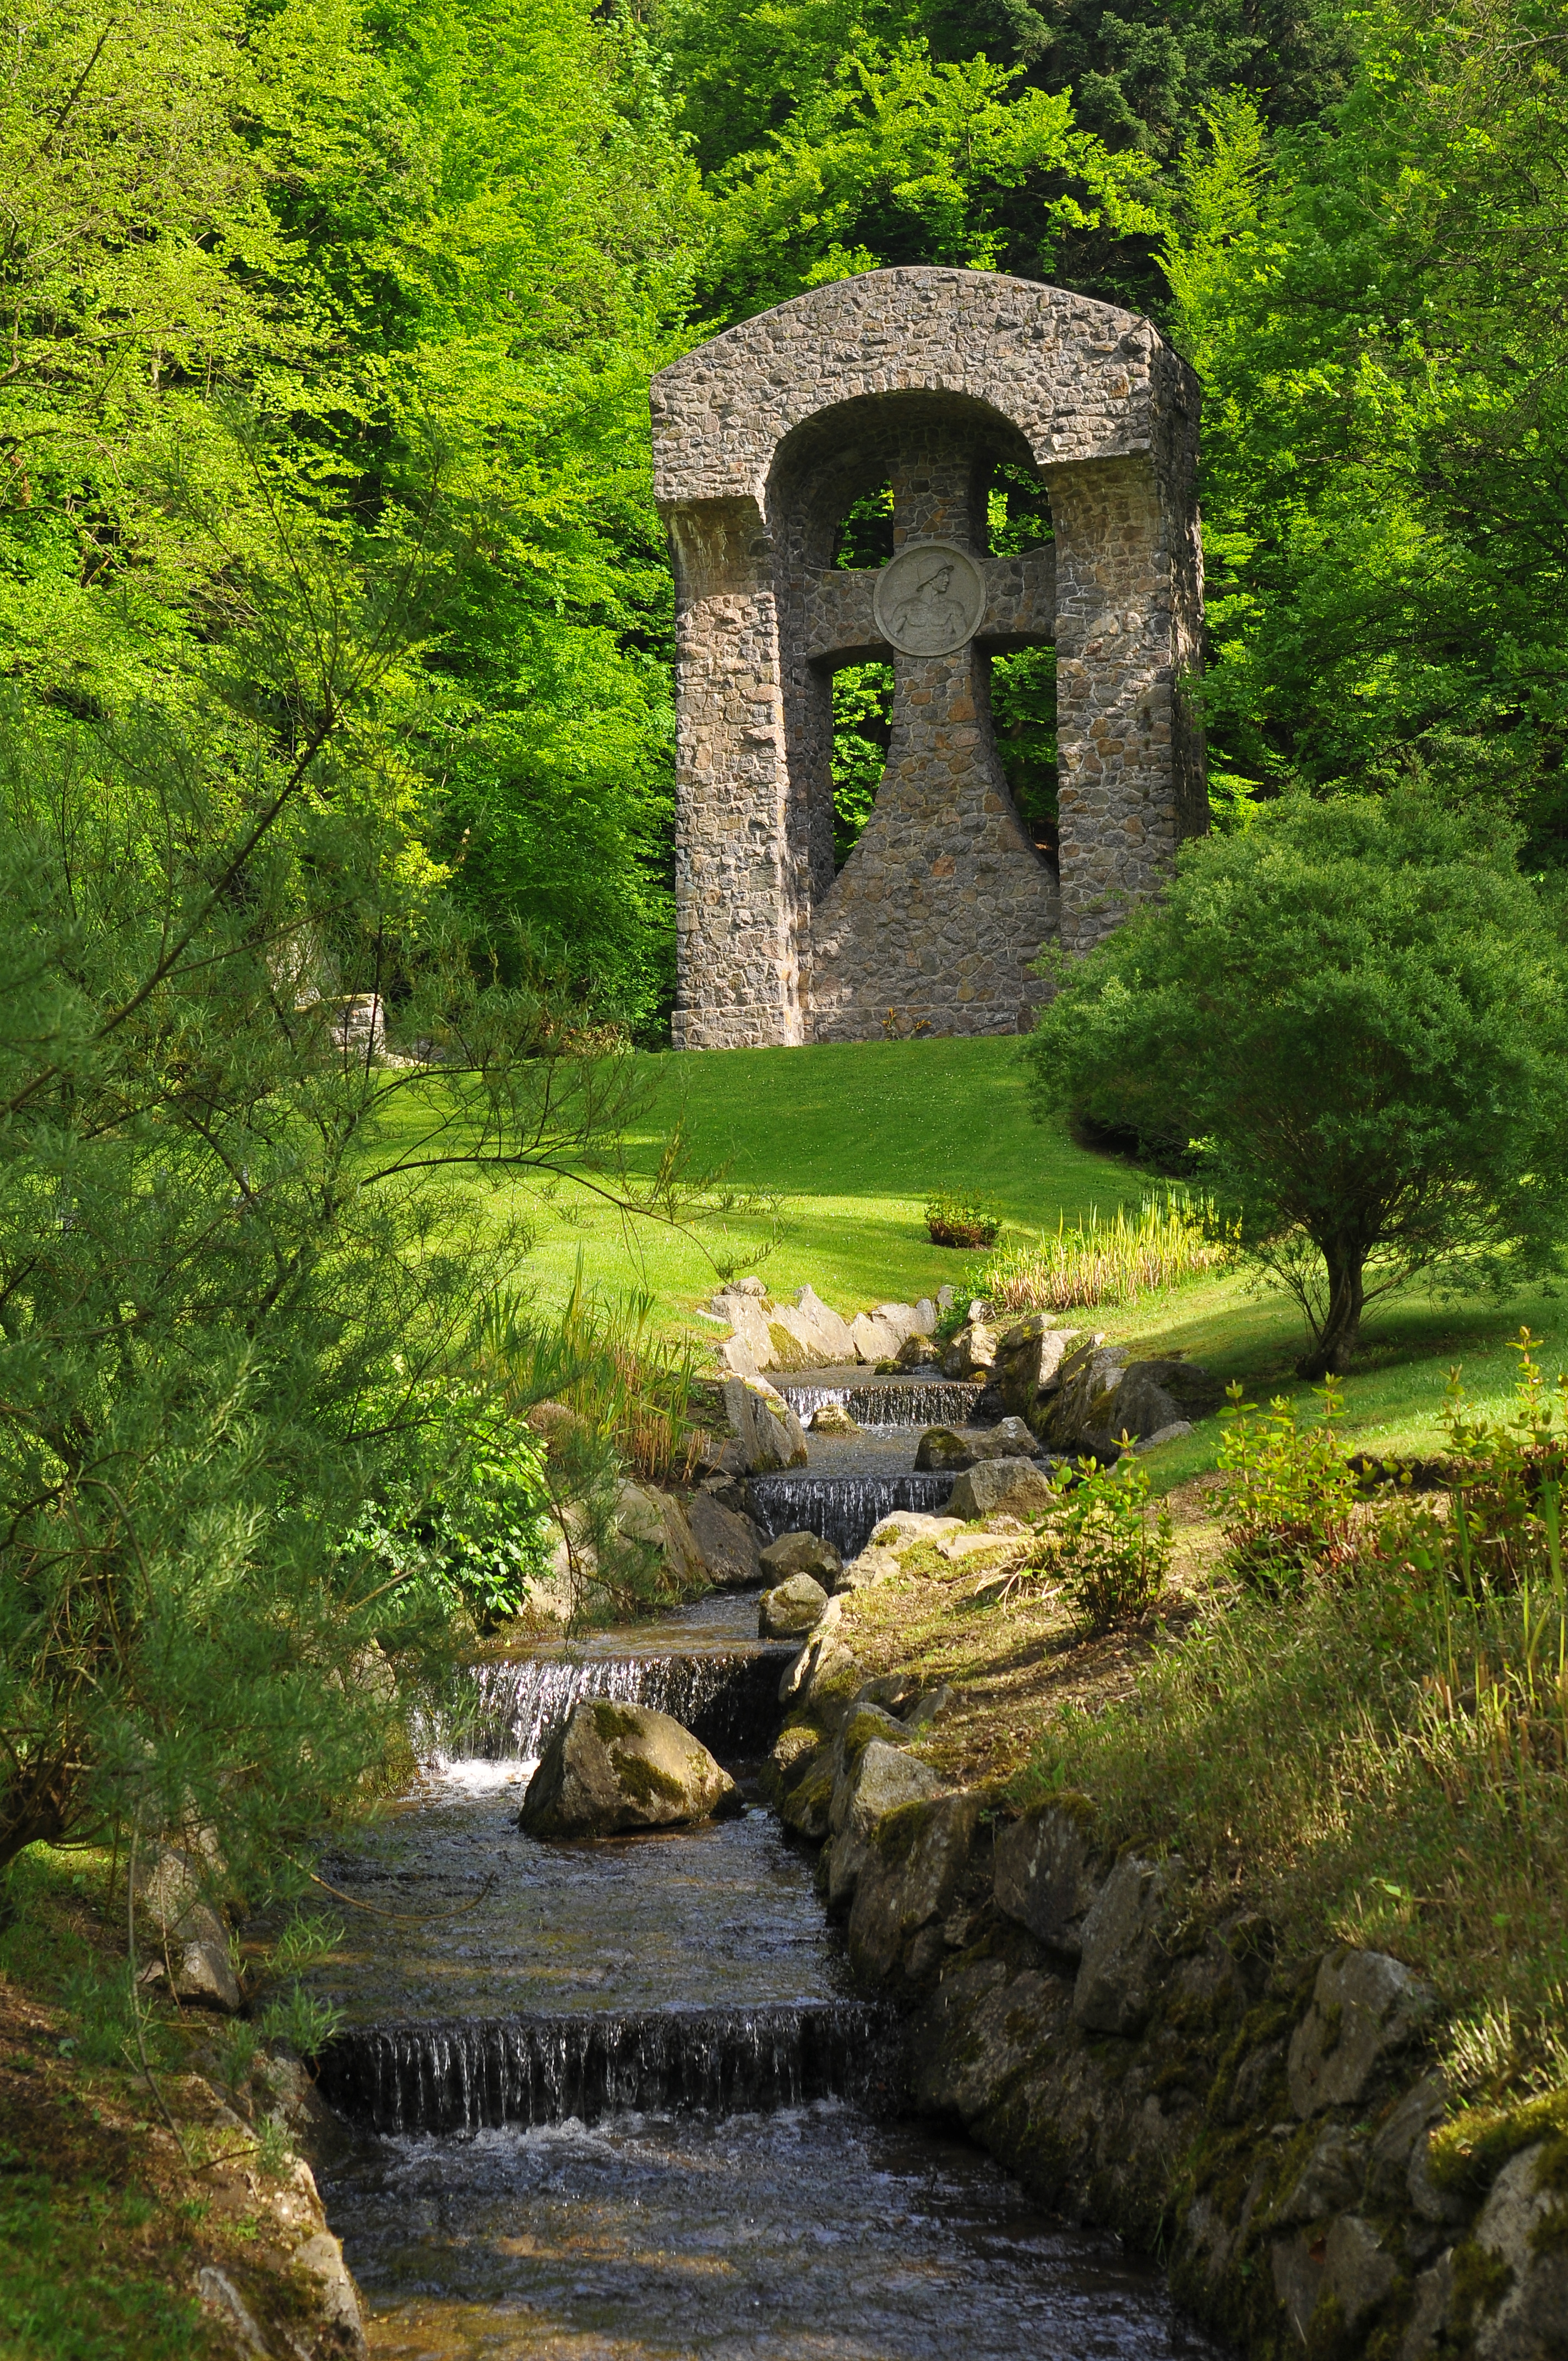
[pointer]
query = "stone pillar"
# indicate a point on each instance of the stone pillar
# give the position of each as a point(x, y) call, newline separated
point(1129, 603)
point(737, 872)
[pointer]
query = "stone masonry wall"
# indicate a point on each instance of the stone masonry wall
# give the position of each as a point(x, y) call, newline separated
point(761, 438)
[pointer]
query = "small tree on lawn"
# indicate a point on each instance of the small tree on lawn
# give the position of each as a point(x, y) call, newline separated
point(1353, 1018)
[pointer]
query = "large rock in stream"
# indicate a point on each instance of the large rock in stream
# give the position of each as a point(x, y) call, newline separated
point(608, 1768)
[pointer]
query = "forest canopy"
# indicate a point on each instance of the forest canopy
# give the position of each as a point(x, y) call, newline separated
point(376, 277)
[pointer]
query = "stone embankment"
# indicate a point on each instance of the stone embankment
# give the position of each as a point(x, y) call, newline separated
point(1145, 2054)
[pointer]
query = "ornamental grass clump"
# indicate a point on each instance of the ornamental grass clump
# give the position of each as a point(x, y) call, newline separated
point(1172, 1239)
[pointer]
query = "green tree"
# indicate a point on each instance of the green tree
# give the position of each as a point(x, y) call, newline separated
point(1138, 75)
point(1377, 306)
point(902, 158)
point(239, 1280)
point(1354, 1016)
point(391, 238)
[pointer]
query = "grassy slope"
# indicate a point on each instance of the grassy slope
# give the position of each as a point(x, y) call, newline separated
point(852, 1137)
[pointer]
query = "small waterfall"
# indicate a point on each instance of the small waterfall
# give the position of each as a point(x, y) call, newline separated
point(842, 1510)
point(896, 1402)
point(730, 1700)
point(479, 2074)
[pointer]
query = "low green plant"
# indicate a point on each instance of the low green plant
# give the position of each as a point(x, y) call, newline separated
point(103, 2010)
point(473, 1532)
point(306, 2023)
point(236, 2052)
point(1100, 1540)
point(1492, 1568)
point(959, 1221)
point(1286, 1501)
point(307, 1937)
point(274, 2150)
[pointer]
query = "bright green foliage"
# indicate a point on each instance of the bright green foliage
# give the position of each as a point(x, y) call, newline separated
point(428, 255)
point(1355, 1017)
point(862, 725)
point(1106, 1543)
point(238, 1289)
point(1287, 1492)
point(474, 1532)
point(1378, 307)
point(1137, 74)
point(901, 159)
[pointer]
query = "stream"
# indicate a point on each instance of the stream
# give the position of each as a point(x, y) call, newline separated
point(617, 2101)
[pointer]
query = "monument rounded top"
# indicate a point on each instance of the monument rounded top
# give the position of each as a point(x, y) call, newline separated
point(929, 599)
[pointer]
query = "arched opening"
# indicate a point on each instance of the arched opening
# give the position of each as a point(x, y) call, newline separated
point(862, 693)
point(863, 538)
point(862, 727)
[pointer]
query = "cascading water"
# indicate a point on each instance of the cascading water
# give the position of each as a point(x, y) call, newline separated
point(894, 1402)
point(617, 2098)
point(531, 2071)
point(843, 1510)
point(729, 1701)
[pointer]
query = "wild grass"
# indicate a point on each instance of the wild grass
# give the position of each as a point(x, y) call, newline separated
point(605, 1357)
point(1379, 1754)
point(1170, 1240)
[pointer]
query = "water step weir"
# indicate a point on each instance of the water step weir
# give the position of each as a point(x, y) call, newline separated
point(480, 2075)
point(619, 2097)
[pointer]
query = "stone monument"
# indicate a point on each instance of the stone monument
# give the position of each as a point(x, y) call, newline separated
point(763, 440)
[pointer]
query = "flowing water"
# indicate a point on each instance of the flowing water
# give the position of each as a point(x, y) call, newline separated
point(843, 1510)
point(616, 2101)
point(890, 1401)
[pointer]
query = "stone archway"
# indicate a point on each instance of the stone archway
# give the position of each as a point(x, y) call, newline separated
point(926, 377)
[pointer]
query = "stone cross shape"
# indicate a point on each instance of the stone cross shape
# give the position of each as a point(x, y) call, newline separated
point(945, 886)
point(763, 440)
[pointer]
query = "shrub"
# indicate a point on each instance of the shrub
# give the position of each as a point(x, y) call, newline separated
point(474, 1534)
point(955, 1222)
point(1356, 1015)
point(1288, 1493)
point(1100, 1542)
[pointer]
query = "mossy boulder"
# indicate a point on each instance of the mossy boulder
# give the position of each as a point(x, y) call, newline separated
point(802, 1553)
point(608, 1768)
point(791, 1610)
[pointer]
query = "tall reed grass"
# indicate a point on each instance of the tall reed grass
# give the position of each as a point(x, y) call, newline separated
point(1172, 1237)
point(603, 1357)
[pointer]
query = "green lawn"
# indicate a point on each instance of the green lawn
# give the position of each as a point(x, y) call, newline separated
point(851, 1138)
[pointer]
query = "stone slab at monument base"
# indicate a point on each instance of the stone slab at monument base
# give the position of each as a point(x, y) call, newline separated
point(925, 387)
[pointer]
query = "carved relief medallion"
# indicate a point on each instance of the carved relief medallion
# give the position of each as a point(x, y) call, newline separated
point(929, 599)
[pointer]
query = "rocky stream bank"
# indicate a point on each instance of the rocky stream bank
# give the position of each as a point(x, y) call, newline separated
point(1142, 2054)
point(599, 1968)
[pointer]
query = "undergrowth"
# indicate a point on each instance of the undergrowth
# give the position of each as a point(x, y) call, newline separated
point(1376, 1750)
